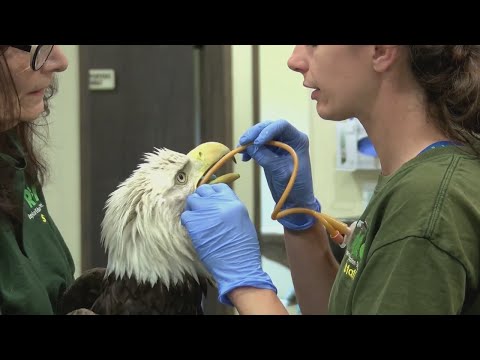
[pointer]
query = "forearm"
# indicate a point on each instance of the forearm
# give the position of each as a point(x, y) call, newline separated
point(313, 267)
point(253, 301)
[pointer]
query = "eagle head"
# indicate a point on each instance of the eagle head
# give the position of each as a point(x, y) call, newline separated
point(142, 231)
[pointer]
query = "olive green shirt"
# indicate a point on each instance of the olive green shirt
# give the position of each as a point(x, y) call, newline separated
point(35, 264)
point(416, 248)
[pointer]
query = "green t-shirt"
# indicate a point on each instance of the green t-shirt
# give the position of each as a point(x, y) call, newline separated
point(35, 264)
point(416, 248)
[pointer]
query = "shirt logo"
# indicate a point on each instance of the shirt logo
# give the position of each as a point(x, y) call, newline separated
point(33, 201)
point(354, 252)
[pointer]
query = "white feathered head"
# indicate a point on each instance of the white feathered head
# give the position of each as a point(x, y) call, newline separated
point(142, 231)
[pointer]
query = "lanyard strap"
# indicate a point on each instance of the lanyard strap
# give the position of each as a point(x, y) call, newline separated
point(437, 144)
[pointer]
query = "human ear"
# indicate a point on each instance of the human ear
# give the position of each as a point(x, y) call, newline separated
point(384, 56)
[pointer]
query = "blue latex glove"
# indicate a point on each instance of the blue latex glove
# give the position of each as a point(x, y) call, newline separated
point(278, 166)
point(225, 239)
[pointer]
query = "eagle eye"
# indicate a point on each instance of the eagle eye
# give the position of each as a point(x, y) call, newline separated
point(181, 178)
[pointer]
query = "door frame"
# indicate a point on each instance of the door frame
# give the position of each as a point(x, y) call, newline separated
point(216, 109)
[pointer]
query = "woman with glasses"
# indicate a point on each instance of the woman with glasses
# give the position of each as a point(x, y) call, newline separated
point(35, 264)
point(416, 247)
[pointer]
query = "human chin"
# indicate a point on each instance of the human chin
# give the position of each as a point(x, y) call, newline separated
point(32, 111)
point(327, 113)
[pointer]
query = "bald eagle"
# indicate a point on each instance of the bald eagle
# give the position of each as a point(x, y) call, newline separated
point(152, 266)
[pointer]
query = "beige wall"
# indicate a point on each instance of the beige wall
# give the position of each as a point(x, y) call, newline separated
point(242, 118)
point(282, 96)
point(62, 192)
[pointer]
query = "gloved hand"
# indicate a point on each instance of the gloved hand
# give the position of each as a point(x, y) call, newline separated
point(277, 164)
point(225, 239)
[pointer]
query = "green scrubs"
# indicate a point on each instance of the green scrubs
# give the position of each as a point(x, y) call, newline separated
point(35, 264)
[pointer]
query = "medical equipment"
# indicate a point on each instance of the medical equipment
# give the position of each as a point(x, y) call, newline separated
point(355, 150)
point(336, 229)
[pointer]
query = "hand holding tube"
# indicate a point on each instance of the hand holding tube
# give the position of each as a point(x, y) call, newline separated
point(278, 167)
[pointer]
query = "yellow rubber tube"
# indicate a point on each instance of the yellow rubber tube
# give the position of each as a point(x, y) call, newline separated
point(334, 227)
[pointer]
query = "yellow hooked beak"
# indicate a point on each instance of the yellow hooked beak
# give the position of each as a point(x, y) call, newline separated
point(204, 156)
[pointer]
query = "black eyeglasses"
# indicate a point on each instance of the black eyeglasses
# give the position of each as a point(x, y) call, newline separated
point(38, 54)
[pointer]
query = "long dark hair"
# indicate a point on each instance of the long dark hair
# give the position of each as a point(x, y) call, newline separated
point(450, 77)
point(36, 169)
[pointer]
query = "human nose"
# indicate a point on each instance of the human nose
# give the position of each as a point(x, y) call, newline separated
point(57, 61)
point(297, 61)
